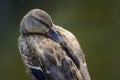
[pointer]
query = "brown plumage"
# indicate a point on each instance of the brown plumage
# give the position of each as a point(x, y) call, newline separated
point(48, 56)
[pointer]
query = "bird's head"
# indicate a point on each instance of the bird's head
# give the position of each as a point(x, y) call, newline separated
point(38, 21)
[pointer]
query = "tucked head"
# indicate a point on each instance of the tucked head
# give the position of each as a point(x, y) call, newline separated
point(38, 21)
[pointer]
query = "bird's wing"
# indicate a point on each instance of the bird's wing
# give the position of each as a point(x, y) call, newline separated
point(29, 58)
point(37, 72)
point(46, 56)
point(74, 51)
point(39, 57)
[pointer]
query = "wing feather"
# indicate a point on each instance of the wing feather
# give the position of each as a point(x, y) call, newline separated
point(55, 61)
point(72, 47)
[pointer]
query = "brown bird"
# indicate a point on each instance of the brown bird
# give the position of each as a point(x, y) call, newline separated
point(48, 51)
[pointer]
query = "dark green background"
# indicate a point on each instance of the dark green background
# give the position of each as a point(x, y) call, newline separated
point(96, 24)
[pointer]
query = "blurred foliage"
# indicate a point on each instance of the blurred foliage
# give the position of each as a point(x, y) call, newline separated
point(96, 24)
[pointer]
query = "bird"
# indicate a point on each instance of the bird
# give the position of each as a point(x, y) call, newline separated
point(48, 51)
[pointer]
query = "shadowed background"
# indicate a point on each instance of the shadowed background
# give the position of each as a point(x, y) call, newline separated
point(96, 24)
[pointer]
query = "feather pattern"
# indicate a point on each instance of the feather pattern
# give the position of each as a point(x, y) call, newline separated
point(37, 72)
point(63, 61)
point(48, 51)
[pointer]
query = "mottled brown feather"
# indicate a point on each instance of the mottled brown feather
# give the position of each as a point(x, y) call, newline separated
point(39, 50)
point(58, 60)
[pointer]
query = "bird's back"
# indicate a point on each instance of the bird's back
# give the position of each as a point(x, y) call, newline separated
point(64, 61)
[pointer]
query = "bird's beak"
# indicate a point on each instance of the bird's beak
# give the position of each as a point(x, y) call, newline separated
point(54, 35)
